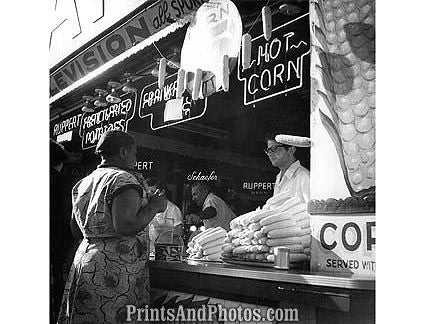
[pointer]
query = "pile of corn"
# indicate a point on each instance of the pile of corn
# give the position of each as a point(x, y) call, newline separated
point(282, 221)
point(207, 245)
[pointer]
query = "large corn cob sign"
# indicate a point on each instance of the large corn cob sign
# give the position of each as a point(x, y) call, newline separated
point(343, 135)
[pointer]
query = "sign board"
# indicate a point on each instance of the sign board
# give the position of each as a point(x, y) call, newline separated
point(113, 116)
point(159, 105)
point(75, 23)
point(66, 137)
point(63, 129)
point(162, 107)
point(140, 27)
point(207, 176)
point(255, 188)
point(343, 244)
point(276, 65)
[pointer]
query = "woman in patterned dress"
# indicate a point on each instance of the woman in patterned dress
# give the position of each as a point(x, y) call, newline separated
point(109, 270)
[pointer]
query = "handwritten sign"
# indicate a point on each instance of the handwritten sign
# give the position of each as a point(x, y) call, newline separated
point(167, 11)
point(114, 116)
point(164, 109)
point(276, 65)
point(344, 244)
point(139, 28)
point(200, 176)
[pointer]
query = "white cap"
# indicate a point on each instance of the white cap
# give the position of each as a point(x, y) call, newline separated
point(298, 141)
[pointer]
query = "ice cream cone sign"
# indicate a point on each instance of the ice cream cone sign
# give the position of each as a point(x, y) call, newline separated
point(212, 45)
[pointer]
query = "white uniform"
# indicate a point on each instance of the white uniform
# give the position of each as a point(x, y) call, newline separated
point(297, 179)
point(224, 213)
point(163, 222)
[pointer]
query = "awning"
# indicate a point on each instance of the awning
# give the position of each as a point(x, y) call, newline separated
point(120, 58)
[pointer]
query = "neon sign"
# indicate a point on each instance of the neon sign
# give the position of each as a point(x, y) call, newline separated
point(277, 65)
point(114, 116)
point(164, 109)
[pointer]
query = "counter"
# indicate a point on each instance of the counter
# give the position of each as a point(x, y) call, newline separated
point(332, 298)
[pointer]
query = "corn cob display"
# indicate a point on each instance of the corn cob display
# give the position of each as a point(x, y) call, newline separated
point(343, 87)
point(254, 235)
point(207, 245)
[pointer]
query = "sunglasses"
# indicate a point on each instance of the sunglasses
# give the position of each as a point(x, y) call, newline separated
point(272, 149)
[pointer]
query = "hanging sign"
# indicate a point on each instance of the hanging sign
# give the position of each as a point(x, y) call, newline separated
point(63, 129)
point(215, 31)
point(160, 105)
point(164, 109)
point(113, 116)
point(276, 65)
point(343, 244)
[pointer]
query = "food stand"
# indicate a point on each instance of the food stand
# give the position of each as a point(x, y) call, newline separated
point(313, 76)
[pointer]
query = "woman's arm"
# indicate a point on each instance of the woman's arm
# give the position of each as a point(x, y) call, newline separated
point(75, 230)
point(128, 217)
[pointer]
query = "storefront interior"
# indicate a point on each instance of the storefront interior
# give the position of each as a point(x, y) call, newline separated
point(227, 140)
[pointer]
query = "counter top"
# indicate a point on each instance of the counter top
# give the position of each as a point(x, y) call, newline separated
point(294, 276)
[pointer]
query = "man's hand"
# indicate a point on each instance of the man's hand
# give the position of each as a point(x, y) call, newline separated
point(193, 219)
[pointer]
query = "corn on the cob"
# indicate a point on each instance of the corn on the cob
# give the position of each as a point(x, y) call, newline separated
point(241, 249)
point(278, 225)
point(284, 241)
point(221, 233)
point(262, 214)
point(285, 232)
point(275, 218)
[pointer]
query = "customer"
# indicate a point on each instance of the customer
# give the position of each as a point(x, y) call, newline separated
point(60, 234)
point(109, 270)
point(170, 219)
point(215, 212)
point(292, 176)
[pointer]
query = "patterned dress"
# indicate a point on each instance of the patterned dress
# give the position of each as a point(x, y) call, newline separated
point(109, 270)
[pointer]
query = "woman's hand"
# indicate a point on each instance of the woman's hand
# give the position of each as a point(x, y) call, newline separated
point(193, 219)
point(158, 202)
point(129, 217)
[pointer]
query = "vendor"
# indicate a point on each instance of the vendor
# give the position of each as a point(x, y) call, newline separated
point(215, 212)
point(292, 176)
point(168, 220)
